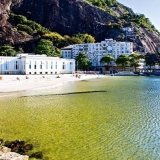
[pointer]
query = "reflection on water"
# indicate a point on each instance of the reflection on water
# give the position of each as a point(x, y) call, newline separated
point(122, 123)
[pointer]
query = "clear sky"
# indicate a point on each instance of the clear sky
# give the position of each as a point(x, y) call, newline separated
point(150, 8)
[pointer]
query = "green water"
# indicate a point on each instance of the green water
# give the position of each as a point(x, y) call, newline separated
point(120, 124)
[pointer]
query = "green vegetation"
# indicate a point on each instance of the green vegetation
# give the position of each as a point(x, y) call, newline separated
point(151, 59)
point(127, 19)
point(105, 4)
point(134, 60)
point(60, 41)
point(122, 60)
point(82, 61)
point(28, 26)
point(46, 47)
point(139, 20)
point(7, 50)
point(85, 38)
point(106, 59)
point(52, 38)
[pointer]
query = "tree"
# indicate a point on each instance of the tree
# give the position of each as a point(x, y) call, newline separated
point(151, 59)
point(122, 60)
point(55, 37)
point(46, 47)
point(134, 60)
point(85, 38)
point(82, 61)
point(7, 50)
point(20, 50)
point(106, 59)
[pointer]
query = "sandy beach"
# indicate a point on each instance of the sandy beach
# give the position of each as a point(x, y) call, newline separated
point(9, 83)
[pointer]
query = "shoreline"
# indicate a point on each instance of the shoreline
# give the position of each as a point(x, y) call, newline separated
point(9, 85)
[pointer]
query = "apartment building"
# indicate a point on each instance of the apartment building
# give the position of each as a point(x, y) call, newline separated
point(96, 51)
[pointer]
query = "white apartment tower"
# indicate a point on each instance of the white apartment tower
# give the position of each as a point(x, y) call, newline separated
point(96, 51)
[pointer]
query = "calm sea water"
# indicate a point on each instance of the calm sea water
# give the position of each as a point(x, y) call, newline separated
point(122, 123)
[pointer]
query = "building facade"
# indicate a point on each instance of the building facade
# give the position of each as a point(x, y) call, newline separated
point(96, 51)
point(35, 64)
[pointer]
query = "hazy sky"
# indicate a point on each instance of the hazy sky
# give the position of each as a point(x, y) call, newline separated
point(150, 8)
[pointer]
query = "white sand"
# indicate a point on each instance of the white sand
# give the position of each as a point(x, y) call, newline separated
point(9, 83)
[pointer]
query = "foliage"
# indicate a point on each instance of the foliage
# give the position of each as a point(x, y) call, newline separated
point(151, 59)
point(56, 38)
point(85, 38)
point(25, 28)
point(18, 18)
point(30, 27)
point(134, 60)
point(71, 40)
point(7, 50)
point(106, 59)
point(140, 20)
point(105, 4)
point(20, 50)
point(122, 60)
point(46, 47)
point(121, 37)
point(82, 61)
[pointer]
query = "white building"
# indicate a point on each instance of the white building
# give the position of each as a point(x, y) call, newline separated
point(35, 64)
point(96, 51)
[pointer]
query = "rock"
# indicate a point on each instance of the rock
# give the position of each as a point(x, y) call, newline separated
point(17, 146)
point(69, 17)
point(37, 155)
point(28, 147)
point(6, 154)
point(13, 156)
point(4, 150)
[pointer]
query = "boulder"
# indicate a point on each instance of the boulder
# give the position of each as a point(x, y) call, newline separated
point(13, 156)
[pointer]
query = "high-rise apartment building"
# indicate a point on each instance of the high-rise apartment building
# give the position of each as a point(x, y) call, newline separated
point(96, 51)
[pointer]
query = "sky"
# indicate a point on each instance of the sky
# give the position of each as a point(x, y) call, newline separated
point(150, 8)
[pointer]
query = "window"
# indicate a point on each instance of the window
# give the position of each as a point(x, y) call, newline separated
point(29, 72)
point(63, 66)
point(46, 64)
point(51, 64)
point(41, 66)
point(40, 73)
point(51, 72)
point(46, 72)
point(56, 65)
point(6, 65)
point(16, 65)
point(71, 65)
point(29, 64)
point(35, 72)
point(35, 66)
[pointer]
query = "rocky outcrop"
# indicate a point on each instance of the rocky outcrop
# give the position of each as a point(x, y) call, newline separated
point(66, 17)
point(6, 154)
point(9, 34)
point(4, 10)
point(69, 17)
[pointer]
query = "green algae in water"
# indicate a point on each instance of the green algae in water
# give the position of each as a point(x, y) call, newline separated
point(122, 123)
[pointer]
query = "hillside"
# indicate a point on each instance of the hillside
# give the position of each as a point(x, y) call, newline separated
point(101, 19)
